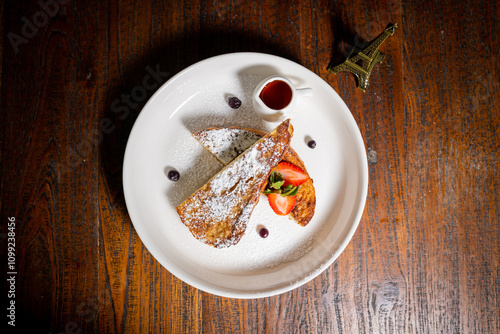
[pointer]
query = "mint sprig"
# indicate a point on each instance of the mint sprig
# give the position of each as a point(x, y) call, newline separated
point(275, 180)
point(275, 185)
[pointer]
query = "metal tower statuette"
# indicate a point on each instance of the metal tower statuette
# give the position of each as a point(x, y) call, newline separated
point(362, 63)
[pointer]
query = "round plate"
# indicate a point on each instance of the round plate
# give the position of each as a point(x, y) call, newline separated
point(161, 140)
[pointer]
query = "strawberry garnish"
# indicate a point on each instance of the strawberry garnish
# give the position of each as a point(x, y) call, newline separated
point(291, 174)
point(281, 205)
point(280, 194)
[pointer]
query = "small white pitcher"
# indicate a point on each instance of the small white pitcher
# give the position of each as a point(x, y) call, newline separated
point(276, 115)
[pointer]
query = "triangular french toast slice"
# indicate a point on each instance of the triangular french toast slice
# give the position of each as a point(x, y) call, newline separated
point(217, 213)
point(227, 143)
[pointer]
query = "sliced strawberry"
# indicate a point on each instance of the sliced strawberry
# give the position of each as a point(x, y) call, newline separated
point(281, 205)
point(291, 174)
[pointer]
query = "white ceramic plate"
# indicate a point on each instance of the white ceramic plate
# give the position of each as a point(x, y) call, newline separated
point(161, 140)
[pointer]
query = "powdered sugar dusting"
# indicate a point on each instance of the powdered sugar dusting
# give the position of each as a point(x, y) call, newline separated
point(219, 211)
point(211, 108)
point(227, 143)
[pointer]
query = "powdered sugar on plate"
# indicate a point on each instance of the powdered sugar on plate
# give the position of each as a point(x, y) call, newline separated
point(286, 242)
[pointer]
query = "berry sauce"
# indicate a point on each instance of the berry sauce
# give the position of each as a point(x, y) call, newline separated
point(276, 94)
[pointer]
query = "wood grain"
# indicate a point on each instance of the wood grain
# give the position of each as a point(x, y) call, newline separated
point(426, 255)
point(47, 108)
point(454, 163)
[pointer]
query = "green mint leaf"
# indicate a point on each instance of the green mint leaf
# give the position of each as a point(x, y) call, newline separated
point(277, 176)
point(277, 185)
point(291, 192)
point(271, 178)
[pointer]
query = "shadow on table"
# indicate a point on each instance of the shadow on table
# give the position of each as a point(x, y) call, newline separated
point(346, 40)
point(135, 79)
point(131, 86)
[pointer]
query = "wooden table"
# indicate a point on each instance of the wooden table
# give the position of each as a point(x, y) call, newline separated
point(426, 255)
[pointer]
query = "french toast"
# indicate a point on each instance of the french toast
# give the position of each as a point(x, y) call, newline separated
point(227, 143)
point(217, 213)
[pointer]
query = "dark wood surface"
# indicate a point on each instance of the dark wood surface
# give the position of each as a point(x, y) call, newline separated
point(426, 255)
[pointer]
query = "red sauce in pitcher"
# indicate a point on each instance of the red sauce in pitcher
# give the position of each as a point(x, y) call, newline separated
point(276, 94)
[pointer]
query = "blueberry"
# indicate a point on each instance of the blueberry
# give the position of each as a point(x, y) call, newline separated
point(311, 143)
point(263, 232)
point(173, 175)
point(234, 102)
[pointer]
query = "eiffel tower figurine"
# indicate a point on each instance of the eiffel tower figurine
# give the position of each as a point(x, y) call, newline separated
point(362, 63)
